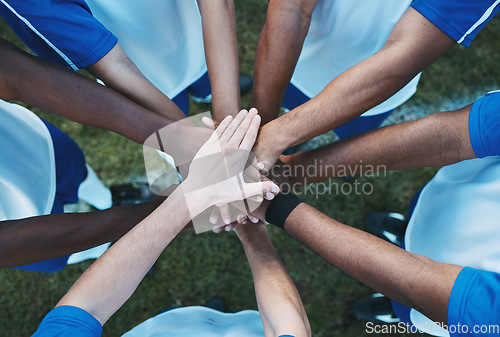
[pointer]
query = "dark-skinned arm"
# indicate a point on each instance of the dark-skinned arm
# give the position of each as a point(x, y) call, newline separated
point(408, 278)
point(49, 236)
point(278, 51)
point(414, 44)
point(57, 90)
point(219, 38)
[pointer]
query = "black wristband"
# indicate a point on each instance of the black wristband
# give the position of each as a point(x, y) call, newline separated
point(280, 208)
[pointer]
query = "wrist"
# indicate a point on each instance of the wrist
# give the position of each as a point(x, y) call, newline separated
point(275, 138)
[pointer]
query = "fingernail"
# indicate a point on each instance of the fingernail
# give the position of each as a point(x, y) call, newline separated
point(259, 199)
point(275, 189)
point(260, 165)
point(269, 196)
point(265, 222)
point(228, 228)
point(255, 220)
point(244, 112)
point(244, 222)
point(213, 219)
point(253, 111)
point(227, 222)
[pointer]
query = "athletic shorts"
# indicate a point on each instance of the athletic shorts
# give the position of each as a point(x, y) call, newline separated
point(459, 19)
point(64, 32)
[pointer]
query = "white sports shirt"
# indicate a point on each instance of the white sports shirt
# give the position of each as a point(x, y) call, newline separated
point(342, 34)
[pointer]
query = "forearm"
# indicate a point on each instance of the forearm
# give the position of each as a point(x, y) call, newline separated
point(50, 236)
point(119, 73)
point(413, 45)
point(436, 140)
point(219, 37)
point(408, 278)
point(278, 300)
point(278, 51)
point(112, 279)
point(62, 92)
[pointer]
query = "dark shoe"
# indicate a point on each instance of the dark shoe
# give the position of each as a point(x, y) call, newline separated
point(133, 193)
point(388, 226)
point(216, 303)
point(375, 308)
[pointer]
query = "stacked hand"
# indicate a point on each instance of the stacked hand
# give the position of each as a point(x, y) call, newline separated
point(224, 171)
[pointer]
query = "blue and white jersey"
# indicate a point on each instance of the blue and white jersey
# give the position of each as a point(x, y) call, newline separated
point(342, 34)
point(179, 322)
point(459, 19)
point(163, 38)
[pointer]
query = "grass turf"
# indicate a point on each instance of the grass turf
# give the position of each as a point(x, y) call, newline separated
point(196, 267)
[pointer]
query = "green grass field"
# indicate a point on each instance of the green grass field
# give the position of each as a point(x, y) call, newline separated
point(195, 268)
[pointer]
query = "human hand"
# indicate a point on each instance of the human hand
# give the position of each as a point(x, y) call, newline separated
point(224, 156)
point(268, 148)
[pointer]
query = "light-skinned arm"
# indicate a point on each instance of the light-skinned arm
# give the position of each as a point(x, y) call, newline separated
point(279, 302)
point(119, 73)
point(112, 279)
point(411, 279)
point(219, 37)
point(436, 140)
point(278, 51)
point(413, 45)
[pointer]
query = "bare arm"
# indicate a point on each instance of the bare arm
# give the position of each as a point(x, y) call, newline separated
point(278, 51)
point(112, 279)
point(408, 278)
point(413, 45)
point(436, 140)
point(62, 92)
point(49, 236)
point(118, 72)
point(219, 37)
point(278, 300)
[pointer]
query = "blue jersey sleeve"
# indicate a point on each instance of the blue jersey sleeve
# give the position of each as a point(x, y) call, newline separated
point(484, 125)
point(68, 321)
point(459, 19)
point(64, 32)
point(474, 306)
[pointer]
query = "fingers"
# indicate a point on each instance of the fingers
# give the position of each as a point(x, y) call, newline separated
point(223, 126)
point(214, 216)
point(208, 122)
point(250, 124)
point(225, 214)
point(251, 134)
point(232, 127)
point(263, 188)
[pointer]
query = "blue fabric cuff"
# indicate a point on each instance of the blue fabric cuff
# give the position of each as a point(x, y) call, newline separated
point(439, 20)
point(484, 125)
point(69, 321)
point(459, 295)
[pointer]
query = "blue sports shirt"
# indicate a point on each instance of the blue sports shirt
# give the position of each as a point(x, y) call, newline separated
point(459, 19)
point(484, 125)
